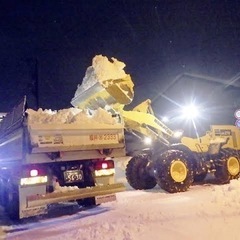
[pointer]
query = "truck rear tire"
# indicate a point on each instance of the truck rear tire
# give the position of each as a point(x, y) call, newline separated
point(3, 192)
point(87, 202)
point(12, 202)
point(174, 171)
point(137, 174)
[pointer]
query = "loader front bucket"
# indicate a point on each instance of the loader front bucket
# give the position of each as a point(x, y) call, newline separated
point(120, 89)
point(109, 92)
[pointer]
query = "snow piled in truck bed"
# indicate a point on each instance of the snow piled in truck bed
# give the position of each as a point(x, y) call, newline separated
point(101, 70)
point(70, 116)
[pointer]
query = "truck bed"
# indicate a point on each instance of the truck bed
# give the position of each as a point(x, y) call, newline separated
point(24, 141)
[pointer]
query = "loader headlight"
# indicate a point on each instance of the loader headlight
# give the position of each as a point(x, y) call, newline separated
point(165, 119)
point(147, 140)
point(178, 134)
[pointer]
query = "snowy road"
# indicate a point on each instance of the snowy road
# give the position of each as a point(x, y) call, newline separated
point(209, 212)
point(204, 212)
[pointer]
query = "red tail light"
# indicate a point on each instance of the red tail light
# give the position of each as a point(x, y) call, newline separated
point(33, 172)
point(33, 176)
point(107, 164)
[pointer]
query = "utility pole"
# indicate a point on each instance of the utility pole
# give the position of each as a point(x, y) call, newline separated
point(34, 85)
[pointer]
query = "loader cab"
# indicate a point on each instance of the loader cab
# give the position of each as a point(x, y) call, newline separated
point(227, 132)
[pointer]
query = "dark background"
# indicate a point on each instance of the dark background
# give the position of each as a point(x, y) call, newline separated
point(176, 52)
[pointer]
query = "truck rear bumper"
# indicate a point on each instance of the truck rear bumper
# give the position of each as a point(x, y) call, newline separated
point(55, 197)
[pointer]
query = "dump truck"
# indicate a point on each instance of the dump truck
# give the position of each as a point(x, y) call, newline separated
point(49, 157)
point(172, 161)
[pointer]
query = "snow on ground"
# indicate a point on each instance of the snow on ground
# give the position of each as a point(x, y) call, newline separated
point(206, 211)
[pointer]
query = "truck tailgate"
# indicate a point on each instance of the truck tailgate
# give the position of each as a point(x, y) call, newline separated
point(72, 137)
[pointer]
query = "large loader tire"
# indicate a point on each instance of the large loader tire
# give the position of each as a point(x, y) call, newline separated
point(137, 174)
point(174, 171)
point(227, 169)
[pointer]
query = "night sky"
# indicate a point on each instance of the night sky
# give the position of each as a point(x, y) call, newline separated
point(53, 42)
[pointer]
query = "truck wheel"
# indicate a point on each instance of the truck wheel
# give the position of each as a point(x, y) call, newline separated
point(12, 202)
point(137, 174)
point(174, 171)
point(228, 169)
point(2, 192)
point(87, 202)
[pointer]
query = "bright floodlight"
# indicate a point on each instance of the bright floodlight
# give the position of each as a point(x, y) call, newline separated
point(190, 112)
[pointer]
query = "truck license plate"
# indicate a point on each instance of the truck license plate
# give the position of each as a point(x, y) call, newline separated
point(73, 176)
point(105, 198)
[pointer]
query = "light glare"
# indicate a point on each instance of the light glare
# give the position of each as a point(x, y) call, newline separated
point(165, 119)
point(104, 165)
point(33, 172)
point(177, 134)
point(190, 112)
point(33, 180)
point(147, 140)
point(104, 172)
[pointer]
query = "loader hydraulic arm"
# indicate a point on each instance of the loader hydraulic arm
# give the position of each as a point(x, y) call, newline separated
point(142, 120)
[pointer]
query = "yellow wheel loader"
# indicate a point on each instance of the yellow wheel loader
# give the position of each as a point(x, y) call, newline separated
point(172, 164)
